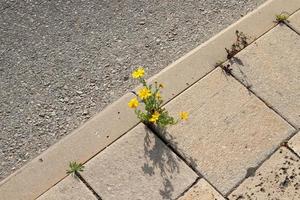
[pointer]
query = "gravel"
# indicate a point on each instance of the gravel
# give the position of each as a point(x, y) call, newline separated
point(63, 61)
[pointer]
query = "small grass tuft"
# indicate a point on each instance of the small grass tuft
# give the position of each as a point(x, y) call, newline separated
point(281, 17)
point(75, 168)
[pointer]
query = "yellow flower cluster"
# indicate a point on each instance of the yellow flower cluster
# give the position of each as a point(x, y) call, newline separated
point(153, 102)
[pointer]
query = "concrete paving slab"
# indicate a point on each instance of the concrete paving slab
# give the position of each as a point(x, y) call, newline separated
point(202, 191)
point(138, 166)
point(277, 178)
point(294, 143)
point(70, 188)
point(295, 20)
point(271, 67)
point(229, 130)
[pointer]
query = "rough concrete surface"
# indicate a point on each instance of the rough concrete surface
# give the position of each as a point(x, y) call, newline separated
point(61, 61)
point(278, 178)
point(70, 188)
point(202, 191)
point(229, 130)
point(138, 166)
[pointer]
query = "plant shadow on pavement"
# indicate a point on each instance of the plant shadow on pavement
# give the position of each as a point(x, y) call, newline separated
point(162, 159)
point(238, 64)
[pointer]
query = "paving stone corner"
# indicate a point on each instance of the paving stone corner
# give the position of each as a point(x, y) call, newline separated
point(202, 190)
point(294, 143)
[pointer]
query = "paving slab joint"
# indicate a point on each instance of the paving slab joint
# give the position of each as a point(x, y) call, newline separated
point(165, 141)
point(248, 87)
point(252, 170)
point(78, 175)
point(189, 162)
point(291, 150)
point(187, 189)
point(288, 24)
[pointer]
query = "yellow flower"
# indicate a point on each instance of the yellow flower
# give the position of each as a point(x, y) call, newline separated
point(154, 117)
point(139, 73)
point(184, 115)
point(133, 103)
point(144, 93)
point(158, 96)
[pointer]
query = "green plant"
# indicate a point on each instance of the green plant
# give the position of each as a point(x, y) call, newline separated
point(240, 43)
point(150, 96)
point(281, 17)
point(74, 168)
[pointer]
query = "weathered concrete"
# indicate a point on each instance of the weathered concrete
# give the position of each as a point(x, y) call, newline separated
point(138, 166)
point(294, 143)
point(70, 188)
point(202, 191)
point(277, 178)
point(229, 130)
point(271, 67)
point(295, 20)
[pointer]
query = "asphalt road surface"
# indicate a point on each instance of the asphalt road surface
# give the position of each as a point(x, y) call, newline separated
point(63, 61)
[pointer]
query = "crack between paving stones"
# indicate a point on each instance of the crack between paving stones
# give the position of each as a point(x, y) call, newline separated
point(88, 185)
point(293, 28)
point(254, 169)
point(292, 150)
point(266, 103)
point(112, 142)
point(177, 153)
point(188, 188)
point(288, 24)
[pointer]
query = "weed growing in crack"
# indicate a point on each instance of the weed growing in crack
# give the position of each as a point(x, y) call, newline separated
point(240, 43)
point(150, 95)
point(282, 17)
point(226, 69)
point(75, 168)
